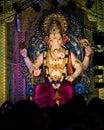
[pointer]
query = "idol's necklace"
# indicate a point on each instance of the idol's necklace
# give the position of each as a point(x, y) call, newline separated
point(56, 85)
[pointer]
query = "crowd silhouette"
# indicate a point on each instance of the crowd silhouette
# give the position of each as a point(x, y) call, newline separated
point(77, 114)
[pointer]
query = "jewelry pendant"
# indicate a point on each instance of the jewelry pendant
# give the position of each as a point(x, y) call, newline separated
point(57, 97)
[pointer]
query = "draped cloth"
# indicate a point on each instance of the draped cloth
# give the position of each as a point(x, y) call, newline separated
point(44, 94)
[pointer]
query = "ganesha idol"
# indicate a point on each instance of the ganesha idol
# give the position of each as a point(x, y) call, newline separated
point(60, 65)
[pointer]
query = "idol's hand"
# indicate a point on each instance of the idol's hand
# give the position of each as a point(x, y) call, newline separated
point(23, 52)
point(37, 72)
point(88, 51)
point(61, 55)
point(58, 53)
point(70, 78)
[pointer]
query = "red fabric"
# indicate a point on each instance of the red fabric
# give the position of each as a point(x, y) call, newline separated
point(46, 39)
point(44, 94)
point(65, 38)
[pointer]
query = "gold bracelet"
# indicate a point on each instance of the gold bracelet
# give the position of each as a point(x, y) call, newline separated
point(87, 56)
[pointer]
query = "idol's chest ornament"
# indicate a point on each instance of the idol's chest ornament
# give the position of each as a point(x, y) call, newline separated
point(56, 69)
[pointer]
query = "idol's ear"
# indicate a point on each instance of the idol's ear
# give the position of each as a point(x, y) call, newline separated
point(46, 39)
point(65, 38)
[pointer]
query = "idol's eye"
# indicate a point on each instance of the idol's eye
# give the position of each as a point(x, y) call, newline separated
point(59, 39)
point(50, 40)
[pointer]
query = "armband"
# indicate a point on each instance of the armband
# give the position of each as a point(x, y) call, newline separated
point(76, 62)
point(35, 64)
point(87, 56)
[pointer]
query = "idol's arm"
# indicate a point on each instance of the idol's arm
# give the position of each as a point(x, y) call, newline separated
point(86, 60)
point(30, 65)
point(77, 66)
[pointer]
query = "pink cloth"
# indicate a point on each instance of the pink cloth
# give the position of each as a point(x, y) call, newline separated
point(45, 92)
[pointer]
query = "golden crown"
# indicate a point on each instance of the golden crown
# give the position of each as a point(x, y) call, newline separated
point(55, 23)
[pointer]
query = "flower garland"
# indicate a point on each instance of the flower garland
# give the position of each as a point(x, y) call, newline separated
point(56, 85)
